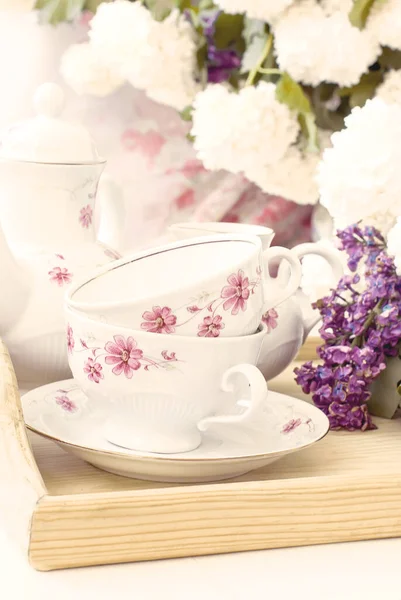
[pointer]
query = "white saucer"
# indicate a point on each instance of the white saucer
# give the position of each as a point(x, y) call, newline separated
point(61, 411)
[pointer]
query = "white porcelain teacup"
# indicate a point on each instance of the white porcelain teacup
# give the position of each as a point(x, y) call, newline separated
point(209, 287)
point(158, 392)
point(289, 324)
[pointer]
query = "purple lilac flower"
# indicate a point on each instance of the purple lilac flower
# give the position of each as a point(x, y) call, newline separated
point(360, 329)
point(220, 62)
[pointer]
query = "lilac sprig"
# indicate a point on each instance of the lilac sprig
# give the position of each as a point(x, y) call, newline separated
point(361, 326)
point(220, 62)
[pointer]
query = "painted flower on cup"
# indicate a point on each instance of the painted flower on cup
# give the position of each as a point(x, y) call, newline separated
point(237, 293)
point(270, 319)
point(70, 339)
point(124, 355)
point(94, 370)
point(291, 425)
point(66, 403)
point(211, 326)
point(60, 275)
point(112, 254)
point(85, 216)
point(159, 320)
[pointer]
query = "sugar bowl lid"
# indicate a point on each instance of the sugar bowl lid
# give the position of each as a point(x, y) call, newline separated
point(47, 138)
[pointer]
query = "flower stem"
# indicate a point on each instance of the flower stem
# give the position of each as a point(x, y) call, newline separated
point(262, 58)
point(368, 323)
point(269, 71)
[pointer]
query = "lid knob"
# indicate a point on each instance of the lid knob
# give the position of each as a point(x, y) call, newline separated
point(49, 100)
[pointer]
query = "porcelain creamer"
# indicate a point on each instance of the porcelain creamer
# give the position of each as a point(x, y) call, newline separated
point(49, 176)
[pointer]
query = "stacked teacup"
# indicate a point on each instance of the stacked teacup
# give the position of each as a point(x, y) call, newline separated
point(165, 342)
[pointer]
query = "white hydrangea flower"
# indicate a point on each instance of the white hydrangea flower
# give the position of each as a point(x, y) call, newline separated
point(237, 132)
point(394, 244)
point(332, 6)
point(158, 57)
point(265, 10)
point(381, 220)
point(390, 89)
point(359, 177)
point(384, 23)
point(86, 74)
point(307, 45)
point(294, 176)
point(165, 66)
point(17, 5)
point(119, 32)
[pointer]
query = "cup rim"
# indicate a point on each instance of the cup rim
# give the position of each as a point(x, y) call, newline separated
point(236, 228)
point(129, 331)
point(135, 256)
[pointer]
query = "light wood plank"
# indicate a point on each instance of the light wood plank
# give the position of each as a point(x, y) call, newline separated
point(21, 484)
point(152, 524)
point(308, 350)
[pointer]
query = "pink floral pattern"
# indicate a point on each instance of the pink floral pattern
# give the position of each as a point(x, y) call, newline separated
point(148, 144)
point(270, 319)
point(237, 293)
point(60, 275)
point(185, 199)
point(291, 425)
point(94, 370)
point(70, 339)
point(85, 216)
point(234, 296)
point(66, 403)
point(159, 320)
point(124, 355)
point(112, 254)
point(168, 356)
point(211, 326)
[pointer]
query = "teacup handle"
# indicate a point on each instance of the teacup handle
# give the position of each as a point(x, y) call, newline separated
point(276, 290)
point(331, 256)
point(258, 391)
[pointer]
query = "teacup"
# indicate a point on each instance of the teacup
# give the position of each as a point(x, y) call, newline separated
point(209, 287)
point(289, 324)
point(158, 393)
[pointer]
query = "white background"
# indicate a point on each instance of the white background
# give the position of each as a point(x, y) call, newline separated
point(357, 571)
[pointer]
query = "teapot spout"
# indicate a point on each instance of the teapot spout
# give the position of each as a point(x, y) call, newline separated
point(14, 287)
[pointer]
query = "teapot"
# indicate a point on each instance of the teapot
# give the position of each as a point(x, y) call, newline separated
point(49, 176)
point(289, 324)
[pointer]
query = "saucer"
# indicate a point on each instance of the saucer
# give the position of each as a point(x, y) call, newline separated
point(61, 412)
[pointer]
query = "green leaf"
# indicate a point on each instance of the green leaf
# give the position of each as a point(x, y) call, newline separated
point(255, 37)
point(252, 53)
point(56, 11)
point(201, 54)
point(184, 4)
point(92, 5)
point(228, 30)
point(159, 9)
point(362, 91)
point(390, 58)
point(205, 5)
point(289, 92)
point(308, 125)
point(360, 12)
point(186, 114)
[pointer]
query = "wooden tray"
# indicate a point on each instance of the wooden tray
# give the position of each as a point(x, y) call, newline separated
point(67, 513)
